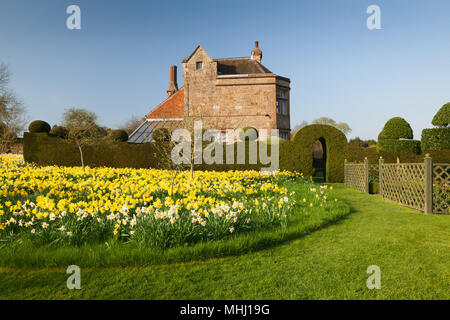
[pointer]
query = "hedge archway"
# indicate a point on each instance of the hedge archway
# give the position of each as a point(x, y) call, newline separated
point(297, 154)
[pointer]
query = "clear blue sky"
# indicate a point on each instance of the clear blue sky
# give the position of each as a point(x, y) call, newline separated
point(118, 63)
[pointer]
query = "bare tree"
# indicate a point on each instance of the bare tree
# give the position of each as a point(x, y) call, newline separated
point(132, 124)
point(299, 126)
point(82, 129)
point(12, 112)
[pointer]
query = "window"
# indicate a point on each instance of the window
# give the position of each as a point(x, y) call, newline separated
point(283, 135)
point(284, 107)
point(282, 101)
point(199, 65)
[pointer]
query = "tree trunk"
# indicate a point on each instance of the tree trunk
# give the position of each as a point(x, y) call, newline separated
point(81, 156)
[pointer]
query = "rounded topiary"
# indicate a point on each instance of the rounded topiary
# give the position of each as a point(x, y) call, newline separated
point(39, 126)
point(248, 134)
point(396, 128)
point(59, 131)
point(442, 117)
point(161, 135)
point(118, 135)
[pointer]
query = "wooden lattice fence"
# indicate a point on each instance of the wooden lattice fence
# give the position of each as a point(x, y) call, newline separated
point(441, 180)
point(422, 186)
point(356, 176)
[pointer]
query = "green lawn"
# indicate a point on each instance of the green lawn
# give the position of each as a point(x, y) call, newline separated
point(412, 250)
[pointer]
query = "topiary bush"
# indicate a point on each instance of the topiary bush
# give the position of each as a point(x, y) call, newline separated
point(59, 131)
point(396, 128)
point(442, 117)
point(161, 135)
point(436, 139)
point(118, 135)
point(39, 126)
point(297, 154)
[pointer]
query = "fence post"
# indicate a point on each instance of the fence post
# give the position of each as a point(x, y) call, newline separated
point(428, 184)
point(345, 173)
point(366, 175)
point(380, 174)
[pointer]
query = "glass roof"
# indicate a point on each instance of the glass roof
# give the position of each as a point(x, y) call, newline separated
point(145, 131)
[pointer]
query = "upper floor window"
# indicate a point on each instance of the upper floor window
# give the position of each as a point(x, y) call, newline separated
point(199, 65)
point(282, 101)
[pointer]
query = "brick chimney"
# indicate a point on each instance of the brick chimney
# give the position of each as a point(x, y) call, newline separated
point(257, 53)
point(173, 85)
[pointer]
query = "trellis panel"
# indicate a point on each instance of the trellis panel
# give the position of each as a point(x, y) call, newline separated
point(355, 176)
point(441, 198)
point(404, 183)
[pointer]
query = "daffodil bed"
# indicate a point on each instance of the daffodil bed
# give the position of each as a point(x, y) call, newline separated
point(64, 206)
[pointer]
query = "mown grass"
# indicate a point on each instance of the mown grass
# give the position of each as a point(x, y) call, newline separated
point(412, 250)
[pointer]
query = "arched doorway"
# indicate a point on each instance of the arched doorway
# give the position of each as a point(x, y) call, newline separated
point(319, 160)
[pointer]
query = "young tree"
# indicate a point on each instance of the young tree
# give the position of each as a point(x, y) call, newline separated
point(344, 127)
point(12, 112)
point(82, 129)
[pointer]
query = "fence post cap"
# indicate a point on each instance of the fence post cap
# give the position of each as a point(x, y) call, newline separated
point(427, 155)
point(381, 157)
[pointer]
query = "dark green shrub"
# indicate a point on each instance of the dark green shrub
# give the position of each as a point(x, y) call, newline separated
point(396, 128)
point(296, 154)
point(118, 135)
point(161, 135)
point(436, 139)
point(59, 131)
point(249, 133)
point(442, 117)
point(374, 187)
point(396, 146)
point(39, 126)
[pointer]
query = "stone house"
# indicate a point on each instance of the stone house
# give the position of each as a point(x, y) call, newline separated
point(228, 93)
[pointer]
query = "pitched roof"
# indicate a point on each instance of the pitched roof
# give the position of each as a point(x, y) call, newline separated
point(171, 108)
point(231, 66)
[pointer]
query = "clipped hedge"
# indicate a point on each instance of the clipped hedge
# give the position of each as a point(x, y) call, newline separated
point(297, 153)
point(45, 150)
point(356, 154)
point(436, 138)
point(118, 135)
point(396, 146)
